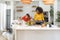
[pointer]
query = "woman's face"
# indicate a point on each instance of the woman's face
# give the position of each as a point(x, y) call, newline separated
point(38, 12)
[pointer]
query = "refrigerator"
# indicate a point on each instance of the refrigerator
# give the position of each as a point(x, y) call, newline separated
point(3, 16)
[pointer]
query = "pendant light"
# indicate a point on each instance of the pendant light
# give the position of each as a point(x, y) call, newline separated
point(48, 2)
point(26, 1)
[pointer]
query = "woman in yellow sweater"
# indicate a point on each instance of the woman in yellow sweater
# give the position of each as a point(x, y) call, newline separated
point(38, 16)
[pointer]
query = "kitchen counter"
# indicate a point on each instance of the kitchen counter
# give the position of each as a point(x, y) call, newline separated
point(36, 27)
point(36, 32)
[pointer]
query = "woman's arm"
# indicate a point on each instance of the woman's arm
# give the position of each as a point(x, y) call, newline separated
point(43, 17)
point(35, 16)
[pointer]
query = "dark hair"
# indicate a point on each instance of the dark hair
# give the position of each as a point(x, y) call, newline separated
point(39, 9)
point(28, 15)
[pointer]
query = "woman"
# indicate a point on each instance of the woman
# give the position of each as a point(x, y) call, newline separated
point(38, 16)
point(26, 18)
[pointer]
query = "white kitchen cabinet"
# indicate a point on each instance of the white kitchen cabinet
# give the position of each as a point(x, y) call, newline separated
point(36, 33)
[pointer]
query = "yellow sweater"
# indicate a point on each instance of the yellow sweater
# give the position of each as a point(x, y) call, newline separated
point(38, 17)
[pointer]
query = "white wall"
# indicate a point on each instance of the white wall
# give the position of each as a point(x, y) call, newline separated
point(55, 11)
point(45, 7)
point(58, 5)
point(28, 9)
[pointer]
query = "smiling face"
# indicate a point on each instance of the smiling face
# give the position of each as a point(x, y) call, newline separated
point(37, 11)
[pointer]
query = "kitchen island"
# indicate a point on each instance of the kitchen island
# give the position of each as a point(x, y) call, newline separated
point(36, 33)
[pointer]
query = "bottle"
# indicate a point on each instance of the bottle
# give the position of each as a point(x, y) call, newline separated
point(50, 25)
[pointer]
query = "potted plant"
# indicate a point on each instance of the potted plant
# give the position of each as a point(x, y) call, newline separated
point(58, 19)
point(52, 14)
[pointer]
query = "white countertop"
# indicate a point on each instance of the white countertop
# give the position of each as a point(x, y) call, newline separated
point(18, 27)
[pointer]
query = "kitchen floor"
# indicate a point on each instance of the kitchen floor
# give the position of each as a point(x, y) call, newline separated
point(2, 38)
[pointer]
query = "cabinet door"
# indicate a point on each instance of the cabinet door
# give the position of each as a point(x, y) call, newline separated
point(8, 17)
